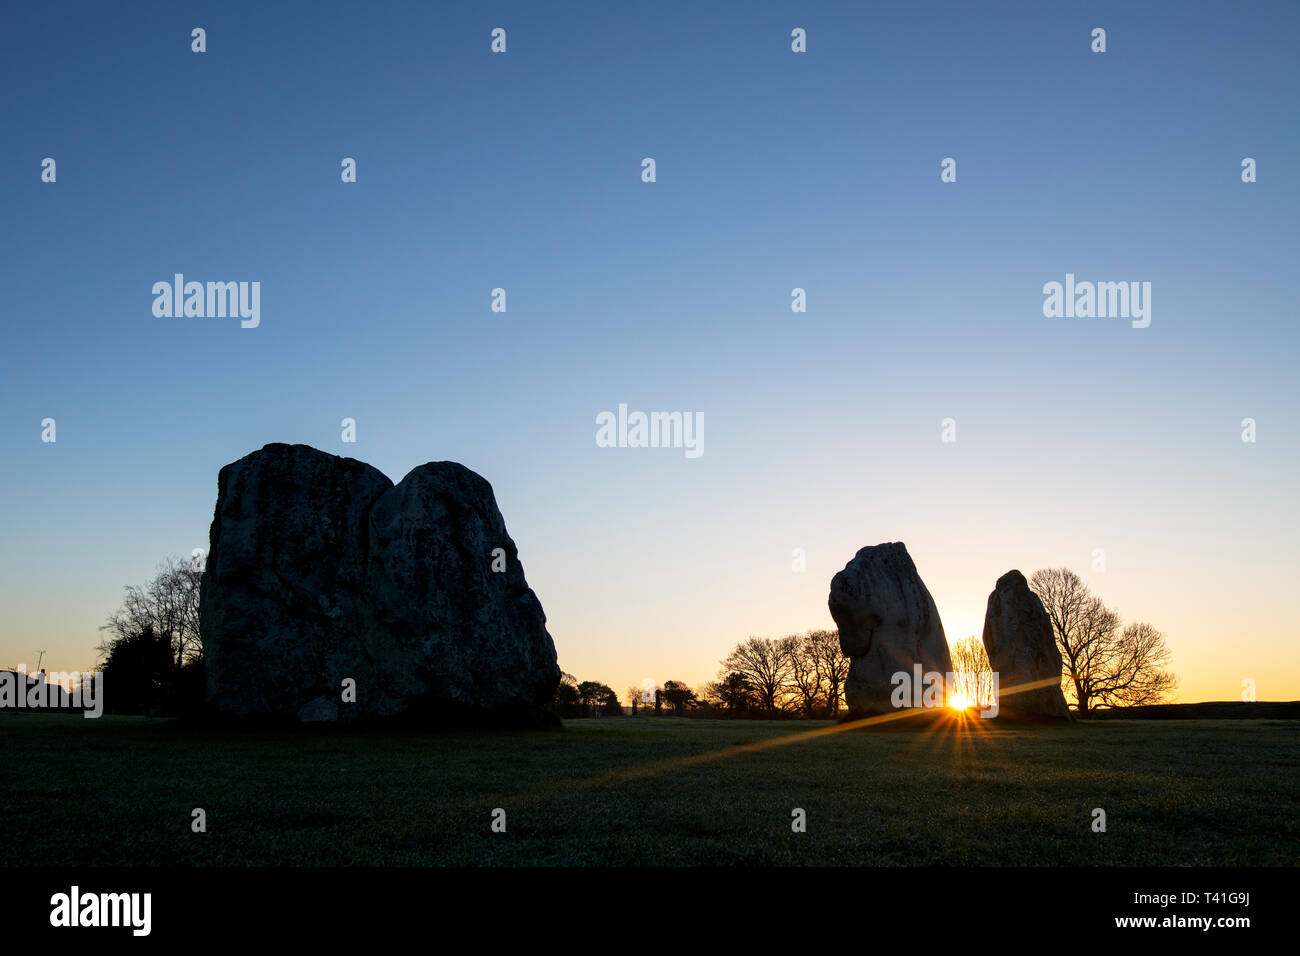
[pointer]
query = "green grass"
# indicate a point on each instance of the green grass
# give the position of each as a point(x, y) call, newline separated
point(120, 791)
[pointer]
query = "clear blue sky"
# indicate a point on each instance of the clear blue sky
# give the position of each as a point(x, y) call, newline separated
point(775, 170)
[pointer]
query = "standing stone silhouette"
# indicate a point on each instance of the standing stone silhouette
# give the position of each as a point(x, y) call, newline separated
point(1022, 649)
point(320, 571)
point(888, 624)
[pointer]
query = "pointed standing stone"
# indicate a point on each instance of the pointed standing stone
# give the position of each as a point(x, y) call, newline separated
point(1022, 649)
point(888, 623)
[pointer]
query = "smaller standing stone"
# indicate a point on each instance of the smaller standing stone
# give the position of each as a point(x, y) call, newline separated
point(1022, 649)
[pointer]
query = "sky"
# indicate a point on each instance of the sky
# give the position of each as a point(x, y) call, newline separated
point(775, 170)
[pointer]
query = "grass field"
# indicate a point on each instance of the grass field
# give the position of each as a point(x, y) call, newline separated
point(120, 791)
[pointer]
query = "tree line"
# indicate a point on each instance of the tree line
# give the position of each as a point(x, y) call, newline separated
point(1105, 664)
point(800, 675)
point(152, 658)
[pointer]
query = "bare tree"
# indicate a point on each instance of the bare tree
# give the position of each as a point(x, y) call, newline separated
point(1105, 667)
point(1131, 670)
point(168, 604)
point(805, 684)
point(972, 672)
point(766, 664)
point(831, 663)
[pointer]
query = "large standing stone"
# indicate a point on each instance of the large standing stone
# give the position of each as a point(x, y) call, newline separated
point(282, 597)
point(449, 597)
point(888, 623)
point(1022, 649)
point(321, 570)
